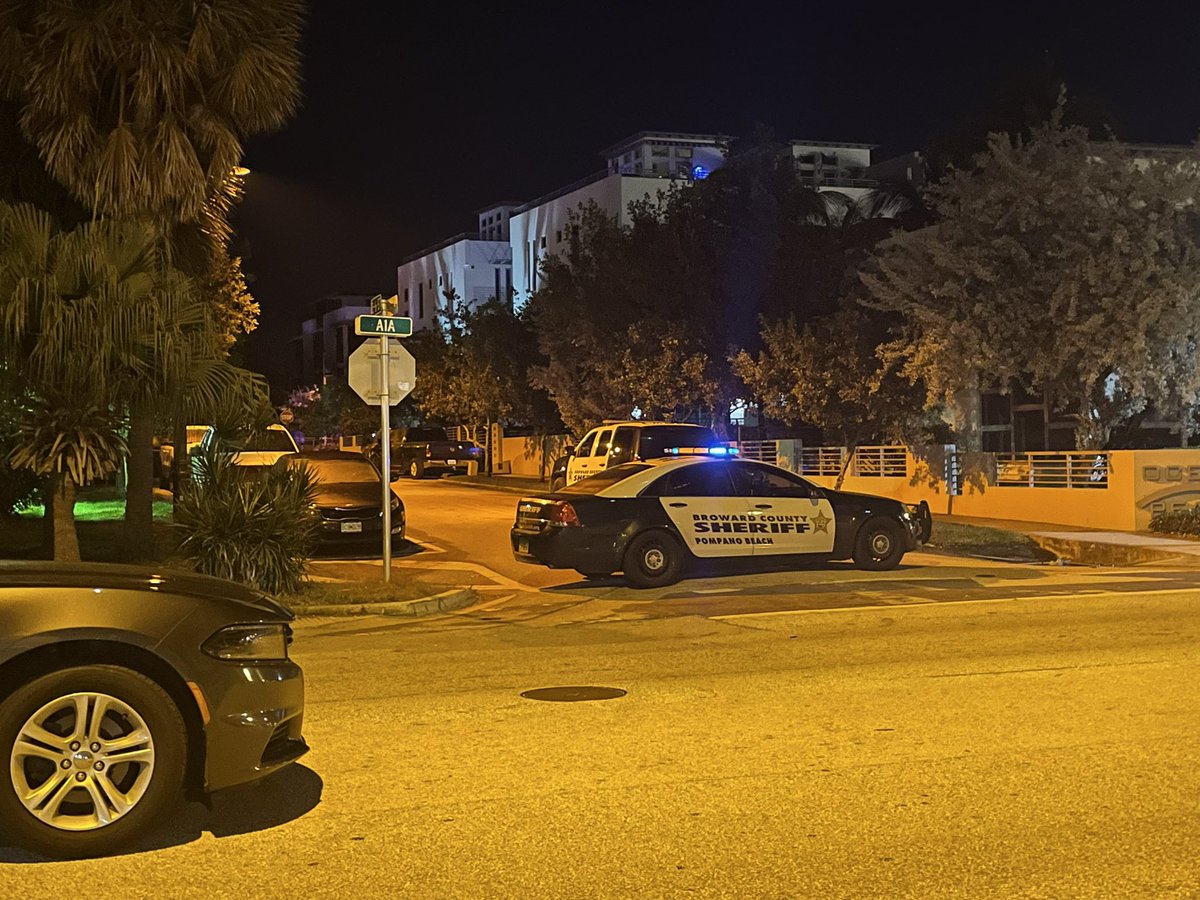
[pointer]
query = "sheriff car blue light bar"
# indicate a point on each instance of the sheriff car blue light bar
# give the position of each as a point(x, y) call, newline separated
point(702, 451)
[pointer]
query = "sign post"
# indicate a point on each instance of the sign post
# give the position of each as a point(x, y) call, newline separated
point(385, 328)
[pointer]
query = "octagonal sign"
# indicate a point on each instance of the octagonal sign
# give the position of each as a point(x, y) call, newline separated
point(364, 372)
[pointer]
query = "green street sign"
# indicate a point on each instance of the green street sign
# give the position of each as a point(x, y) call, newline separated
point(383, 326)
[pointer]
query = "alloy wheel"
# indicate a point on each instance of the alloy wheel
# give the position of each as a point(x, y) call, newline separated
point(82, 761)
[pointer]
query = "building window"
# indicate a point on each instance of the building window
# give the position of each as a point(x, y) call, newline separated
point(496, 273)
point(420, 301)
point(543, 242)
point(508, 291)
point(558, 236)
point(407, 302)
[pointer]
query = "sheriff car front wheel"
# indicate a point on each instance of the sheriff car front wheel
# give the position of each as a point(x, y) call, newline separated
point(95, 755)
point(880, 545)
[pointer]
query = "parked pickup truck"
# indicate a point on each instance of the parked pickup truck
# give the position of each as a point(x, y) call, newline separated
point(417, 451)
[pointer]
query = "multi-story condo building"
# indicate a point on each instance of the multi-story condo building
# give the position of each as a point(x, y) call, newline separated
point(471, 267)
point(502, 258)
point(326, 339)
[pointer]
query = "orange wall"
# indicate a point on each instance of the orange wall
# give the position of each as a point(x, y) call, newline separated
point(1140, 482)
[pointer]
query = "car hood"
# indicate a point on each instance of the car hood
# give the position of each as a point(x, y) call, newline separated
point(144, 578)
point(865, 501)
point(355, 494)
point(259, 457)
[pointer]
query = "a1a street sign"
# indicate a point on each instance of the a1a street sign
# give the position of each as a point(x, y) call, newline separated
point(383, 326)
point(364, 376)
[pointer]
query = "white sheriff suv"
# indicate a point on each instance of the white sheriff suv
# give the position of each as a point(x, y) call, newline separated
point(621, 441)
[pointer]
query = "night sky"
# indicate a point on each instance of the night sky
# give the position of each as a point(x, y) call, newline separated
point(415, 115)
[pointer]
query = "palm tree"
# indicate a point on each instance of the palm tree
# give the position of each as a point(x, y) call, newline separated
point(76, 327)
point(139, 108)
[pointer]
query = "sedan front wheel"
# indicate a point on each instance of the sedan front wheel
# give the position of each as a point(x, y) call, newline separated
point(96, 755)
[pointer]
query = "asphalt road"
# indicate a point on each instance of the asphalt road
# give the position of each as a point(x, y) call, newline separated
point(1030, 748)
point(956, 728)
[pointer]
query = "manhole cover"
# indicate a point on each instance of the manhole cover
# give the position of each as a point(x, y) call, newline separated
point(573, 693)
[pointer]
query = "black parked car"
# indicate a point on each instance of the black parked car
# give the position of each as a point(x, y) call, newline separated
point(349, 498)
point(122, 688)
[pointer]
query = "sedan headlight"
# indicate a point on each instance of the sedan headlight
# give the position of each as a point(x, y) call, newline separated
point(249, 643)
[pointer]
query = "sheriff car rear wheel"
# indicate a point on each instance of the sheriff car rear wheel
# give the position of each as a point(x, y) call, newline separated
point(653, 559)
point(880, 545)
point(416, 469)
point(95, 754)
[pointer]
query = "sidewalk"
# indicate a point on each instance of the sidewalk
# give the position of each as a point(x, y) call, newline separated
point(1094, 547)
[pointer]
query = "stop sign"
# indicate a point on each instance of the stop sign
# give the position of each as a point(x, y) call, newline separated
point(364, 375)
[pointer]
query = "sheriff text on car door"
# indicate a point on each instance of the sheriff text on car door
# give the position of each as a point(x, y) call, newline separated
point(726, 508)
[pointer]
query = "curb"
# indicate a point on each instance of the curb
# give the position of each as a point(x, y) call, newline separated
point(1097, 553)
point(422, 606)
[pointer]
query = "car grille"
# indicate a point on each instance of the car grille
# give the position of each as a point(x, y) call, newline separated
point(282, 747)
point(338, 513)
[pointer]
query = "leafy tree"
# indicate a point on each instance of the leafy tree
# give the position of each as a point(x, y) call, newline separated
point(1060, 265)
point(474, 367)
point(332, 409)
point(648, 316)
point(829, 373)
point(629, 319)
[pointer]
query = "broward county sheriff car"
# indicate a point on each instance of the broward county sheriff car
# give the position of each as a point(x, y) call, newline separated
point(650, 519)
point(617, 442)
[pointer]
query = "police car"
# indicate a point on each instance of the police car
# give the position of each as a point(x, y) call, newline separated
point(651, 519)
point(617, 442)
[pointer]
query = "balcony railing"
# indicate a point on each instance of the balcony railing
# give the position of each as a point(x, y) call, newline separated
point(1082, 469)
point(821, 461)
point(880, 462)
point(760, 451)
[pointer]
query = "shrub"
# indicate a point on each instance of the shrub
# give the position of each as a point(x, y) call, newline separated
point(1182, 521)
point(251, 524)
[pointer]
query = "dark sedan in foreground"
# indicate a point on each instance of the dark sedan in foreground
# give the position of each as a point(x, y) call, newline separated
point(122, 689)
point(349, 499)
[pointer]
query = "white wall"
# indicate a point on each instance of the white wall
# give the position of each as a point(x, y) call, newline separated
point(467, 266)
point(544, 228)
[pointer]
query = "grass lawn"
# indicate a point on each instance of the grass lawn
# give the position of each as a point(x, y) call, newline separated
point(101, 527)
point(359, 592)
point(979, 540)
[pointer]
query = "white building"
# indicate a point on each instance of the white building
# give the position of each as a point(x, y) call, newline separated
point(647, 164)
point(502, 259)
point(473, 267)
point(828, 166)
